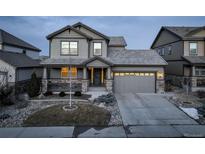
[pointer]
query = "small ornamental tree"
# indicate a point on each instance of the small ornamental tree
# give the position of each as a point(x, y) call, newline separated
point(33, 86)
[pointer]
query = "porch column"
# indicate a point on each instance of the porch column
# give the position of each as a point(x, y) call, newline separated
point(44, 73)
point(108, 73)
point(102, 76)
point(44, 80)
point(193, 70)
point(84, 73)
point(92, 74)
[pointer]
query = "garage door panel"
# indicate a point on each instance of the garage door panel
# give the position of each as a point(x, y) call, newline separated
point(136, 84)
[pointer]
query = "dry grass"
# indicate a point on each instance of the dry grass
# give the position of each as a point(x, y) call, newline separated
point(86, 115)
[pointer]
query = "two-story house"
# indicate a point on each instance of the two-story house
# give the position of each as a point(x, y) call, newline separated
point(18, 60)
point(184, 50)
point(93, 59)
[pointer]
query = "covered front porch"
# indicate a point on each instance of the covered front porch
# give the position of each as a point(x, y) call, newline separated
point(92, 73)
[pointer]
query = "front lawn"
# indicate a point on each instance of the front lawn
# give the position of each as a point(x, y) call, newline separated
point(86, 114)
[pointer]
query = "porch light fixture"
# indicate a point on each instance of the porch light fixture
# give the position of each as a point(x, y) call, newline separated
point(160, 75)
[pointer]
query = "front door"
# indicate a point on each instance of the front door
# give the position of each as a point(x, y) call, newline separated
point(97, 77)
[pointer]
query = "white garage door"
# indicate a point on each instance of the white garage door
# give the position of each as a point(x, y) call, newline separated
point(135, 82)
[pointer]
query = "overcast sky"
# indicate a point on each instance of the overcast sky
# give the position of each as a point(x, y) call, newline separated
point(139, 32)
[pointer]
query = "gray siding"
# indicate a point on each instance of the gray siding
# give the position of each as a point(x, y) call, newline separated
point(25, 73)
point(165, 38)
point(177, 51)
point(175, 68)
point(85, 48)
point(56, 48)
point(30, 53)
point(97, 63)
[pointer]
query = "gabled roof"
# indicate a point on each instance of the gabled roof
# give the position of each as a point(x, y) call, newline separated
point(9, 39)
point(117, 41)
point(18, 59)
point(98, 58)
point(183, 33)
point(67, 28)
point(91, 29)
point(195, 59)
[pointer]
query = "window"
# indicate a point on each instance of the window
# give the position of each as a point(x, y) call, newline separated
point(97, 49)
point(133, 74)
point(24, 51)
point(169, 50)
point(65, 72)
point(69, 48)
point(200, 71)
point(73, 71)
point(193, 48)
point(162, 52)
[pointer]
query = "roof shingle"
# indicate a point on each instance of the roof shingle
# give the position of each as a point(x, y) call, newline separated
point(18, 59)
point(7, 38)
point(117, 41)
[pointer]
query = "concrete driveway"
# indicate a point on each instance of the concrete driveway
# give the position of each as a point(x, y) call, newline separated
point(150, 109)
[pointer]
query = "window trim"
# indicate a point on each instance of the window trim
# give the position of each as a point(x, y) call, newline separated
point(163, 51)
point(190, 54)
point(169, 51)
point(94, 49)
point(69, 48)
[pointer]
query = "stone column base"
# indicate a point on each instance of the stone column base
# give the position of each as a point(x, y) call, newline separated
point(160, 85)
point(85, 84)
point(109, 85)
point(44, 85)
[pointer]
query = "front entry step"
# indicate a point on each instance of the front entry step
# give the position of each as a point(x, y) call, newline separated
point(97, 89)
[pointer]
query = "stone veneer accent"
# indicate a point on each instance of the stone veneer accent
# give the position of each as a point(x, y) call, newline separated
point(160, 85)
point(85, 84)
point(58, 85)
point(109, 85)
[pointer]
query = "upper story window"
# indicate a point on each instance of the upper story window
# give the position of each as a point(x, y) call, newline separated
point(169, 50)
point(162, 52)
point(97, 49)
point(193, 48)
point(69, 48)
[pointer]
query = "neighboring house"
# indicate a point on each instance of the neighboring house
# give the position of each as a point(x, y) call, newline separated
point(98, 60)
point(18, 60)
point(184, 50)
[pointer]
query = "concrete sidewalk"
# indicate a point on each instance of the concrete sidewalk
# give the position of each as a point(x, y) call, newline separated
point(105, 132)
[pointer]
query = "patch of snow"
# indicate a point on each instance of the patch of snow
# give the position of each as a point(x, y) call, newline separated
point(96, 94)
point(192, 112)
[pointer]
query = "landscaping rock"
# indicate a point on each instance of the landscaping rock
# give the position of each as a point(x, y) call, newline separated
point(108, 99)
point(23, 96)
point(4, 116)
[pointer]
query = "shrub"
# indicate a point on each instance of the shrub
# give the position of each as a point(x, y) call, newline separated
point(62, 94)
point(33, 86)
point(77, 93)
point(5, 95)
point(201, 93)
point(48, 93)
